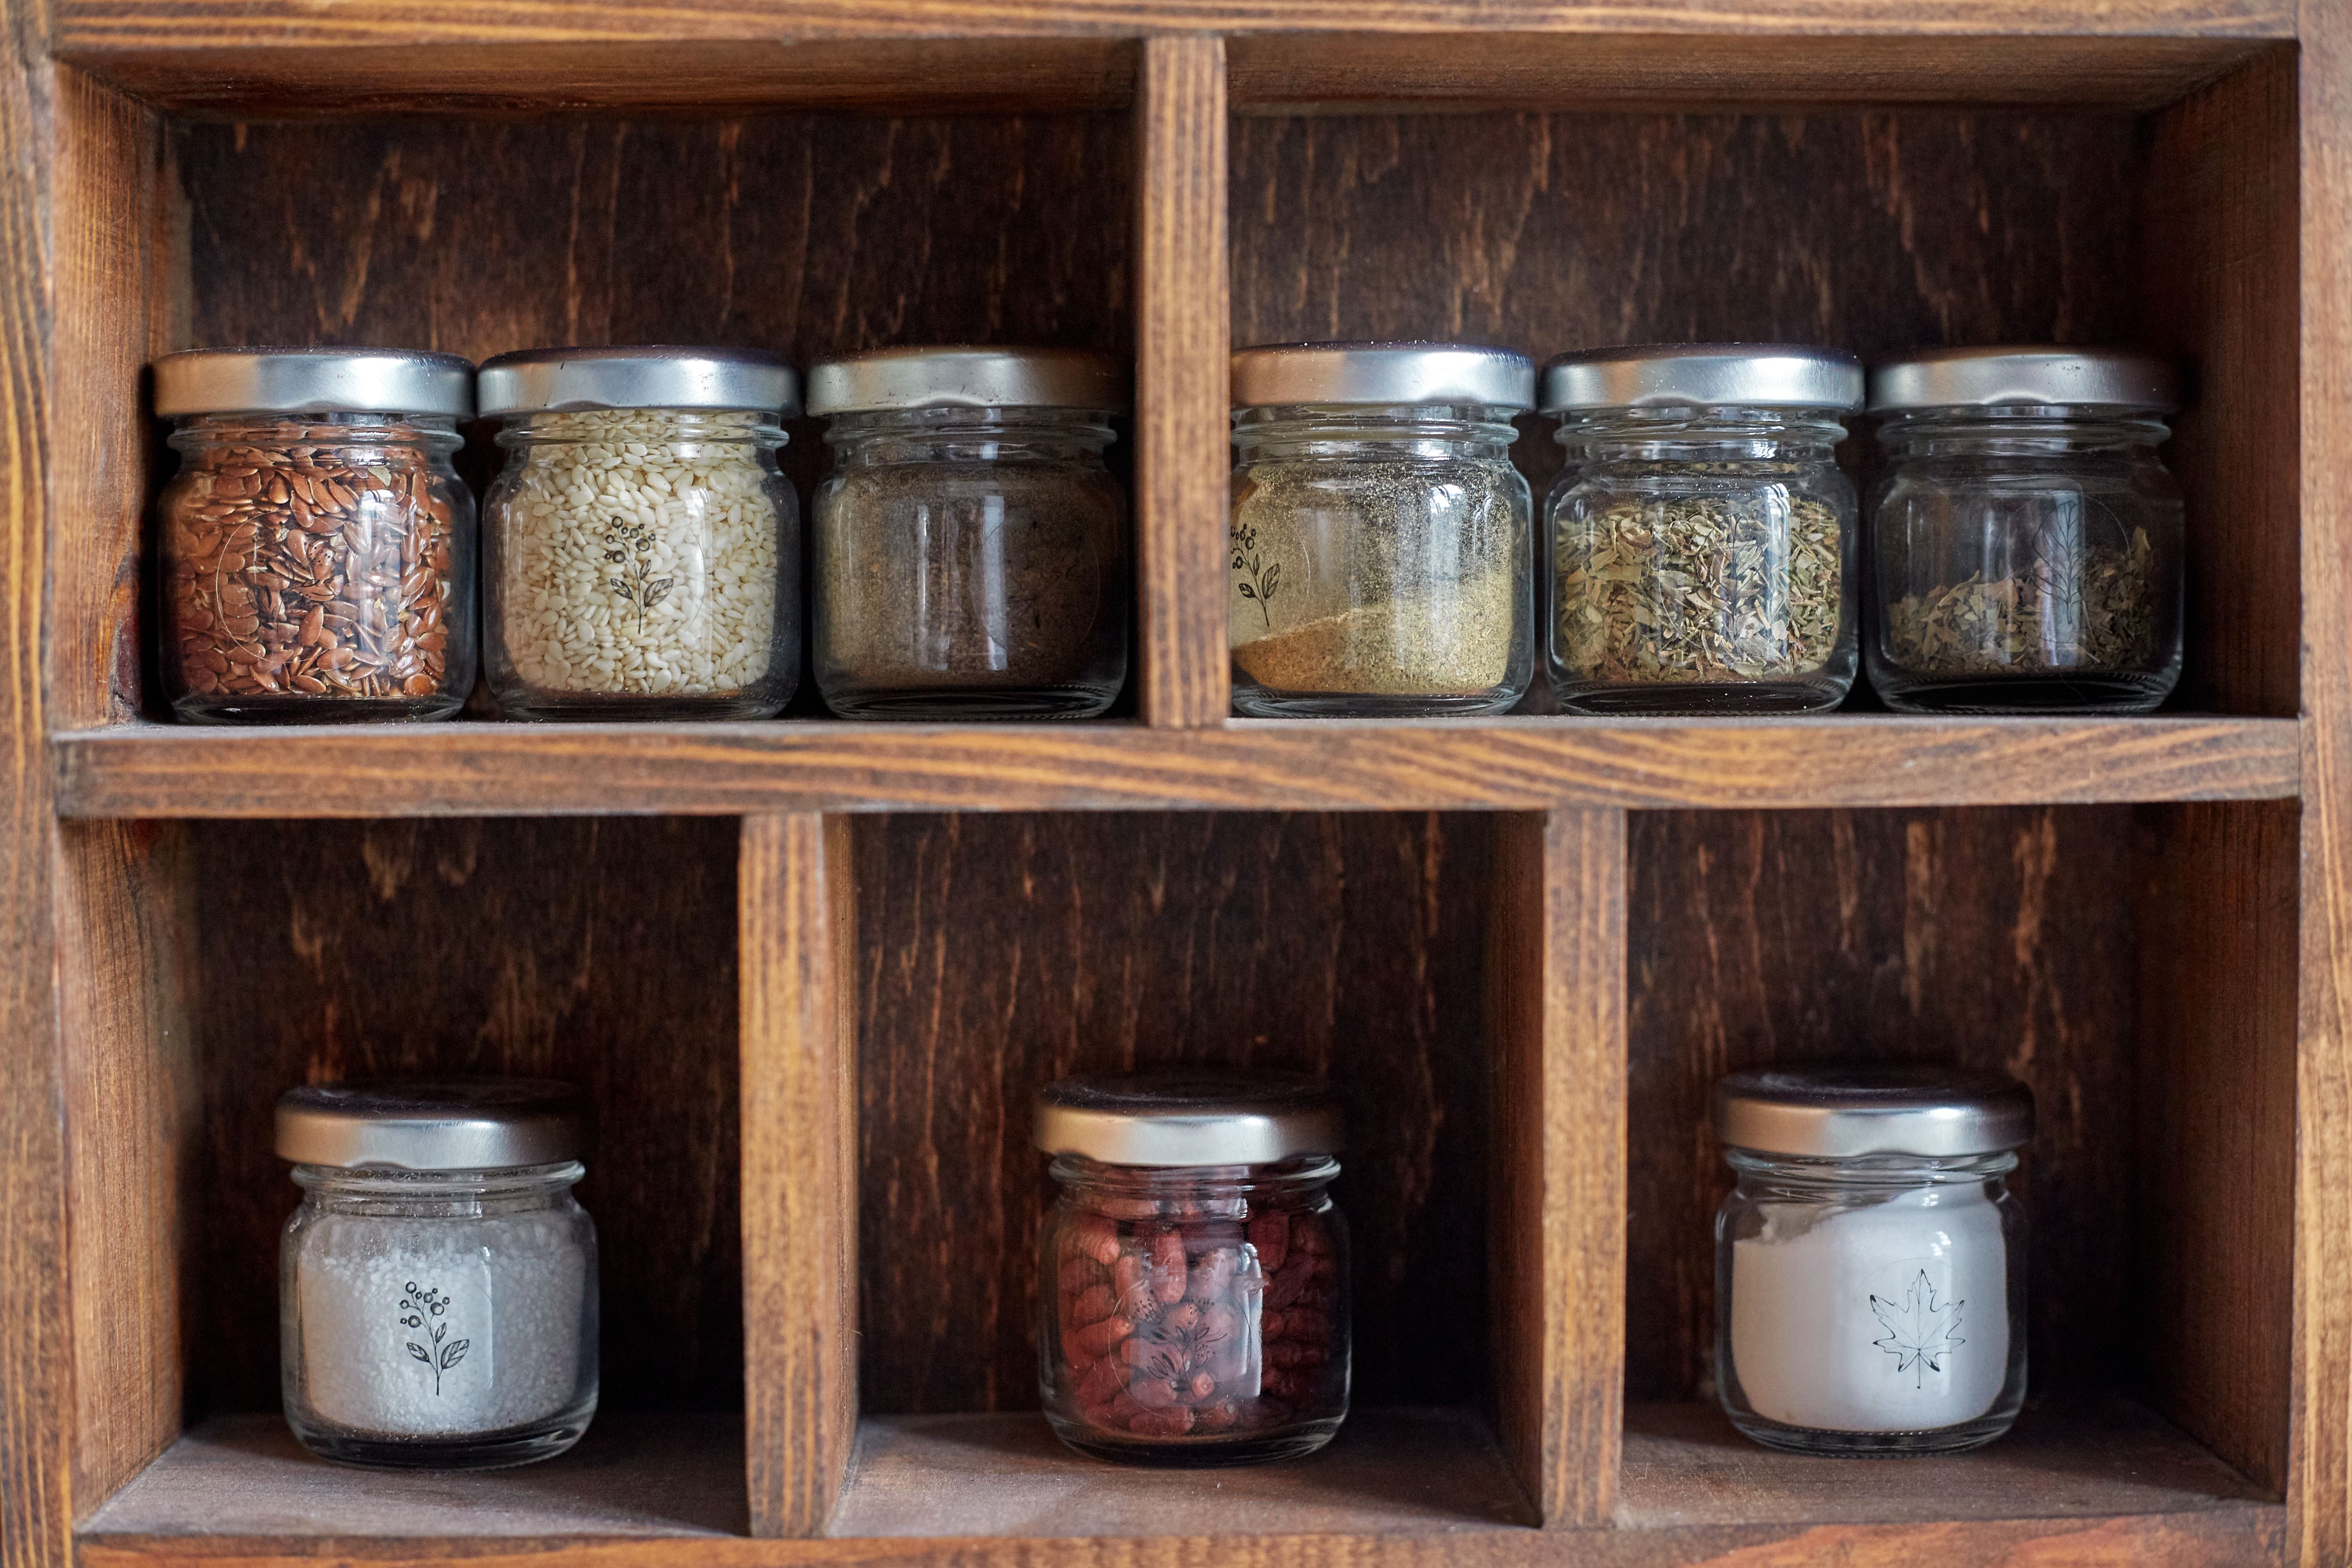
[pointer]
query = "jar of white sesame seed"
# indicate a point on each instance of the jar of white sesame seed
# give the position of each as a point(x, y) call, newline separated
point(641, 549)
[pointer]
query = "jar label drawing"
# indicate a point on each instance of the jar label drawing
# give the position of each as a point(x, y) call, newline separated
point(377, 1356)
point(1922, 1331)
point(425, 1314)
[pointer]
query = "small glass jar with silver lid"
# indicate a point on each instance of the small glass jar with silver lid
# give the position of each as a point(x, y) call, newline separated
point(439, 1284)
point(1870, 1261)
point(1380, 551)
point(1701, 538)
point(642, 548)
point(1193, 1306)
point(970, 548)
point(317, 546)
point(2026, 539)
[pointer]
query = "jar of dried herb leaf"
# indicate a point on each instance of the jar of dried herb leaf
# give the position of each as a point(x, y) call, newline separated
point(317, 548)
point(970, 548)
point(642, 548)
point(1380, 547)
point(2026, 540)
point(1701, 536)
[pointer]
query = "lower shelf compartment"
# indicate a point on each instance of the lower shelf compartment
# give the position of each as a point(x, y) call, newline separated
point(2092, 1481)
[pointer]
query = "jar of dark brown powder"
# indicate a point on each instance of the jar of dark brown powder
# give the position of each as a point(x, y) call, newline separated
point(970, 553)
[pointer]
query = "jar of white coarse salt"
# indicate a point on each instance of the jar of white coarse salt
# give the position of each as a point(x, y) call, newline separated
point(1870, 1264)
point(439, 1301)
point(641, 550)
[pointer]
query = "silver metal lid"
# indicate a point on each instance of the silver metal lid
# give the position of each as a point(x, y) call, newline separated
point(314, 380)
point(434, 1124)
point(964, 376)
point(1204, 1118)
point(1675, 375)
point(531, 381)
point(1272, 375)
point(1840, 1112)
point(1989, 377)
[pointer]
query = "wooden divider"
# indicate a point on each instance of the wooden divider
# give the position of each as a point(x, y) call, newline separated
point(1183, 326)
point(797, 933)
point(1559, 1184)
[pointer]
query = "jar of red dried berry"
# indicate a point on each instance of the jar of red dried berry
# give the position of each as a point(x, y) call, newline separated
point(1194, 1309)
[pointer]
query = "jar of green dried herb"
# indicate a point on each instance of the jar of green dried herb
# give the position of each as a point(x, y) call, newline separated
point(1701, 537)
point(1379, 548)
point(2026, 539)
point(970, 551)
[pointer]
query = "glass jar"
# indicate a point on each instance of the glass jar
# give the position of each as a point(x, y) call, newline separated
point(437, 1287)
point(642, 548)
point(1193, 1303)
point(1380, 540)
point(1870, 1261)
point(971, 548)
point(317, 549)
point(1701, 537)
point(2026, 539)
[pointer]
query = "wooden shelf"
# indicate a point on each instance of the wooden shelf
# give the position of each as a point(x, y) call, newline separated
point(999, 1488)
point(1519, 764)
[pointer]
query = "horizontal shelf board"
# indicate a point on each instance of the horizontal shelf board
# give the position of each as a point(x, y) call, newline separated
point(657, 1476)
point(1400, 1490)
point(1522, 765)
point(1389, 1472)
point(2090, 1459)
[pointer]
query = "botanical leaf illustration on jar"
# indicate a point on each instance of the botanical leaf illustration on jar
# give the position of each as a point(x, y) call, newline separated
point(1259, 578)
point(1919, 1329)
point(423, 1312)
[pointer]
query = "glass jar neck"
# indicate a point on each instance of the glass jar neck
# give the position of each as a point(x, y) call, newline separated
point(437, 1194)
point(641, 427)
point(873, 438)
point(276, 434)
point(2021, 430)
point(1799, 1175)
point(1117, 1190)
point(1714, 434)
point(1302, 432)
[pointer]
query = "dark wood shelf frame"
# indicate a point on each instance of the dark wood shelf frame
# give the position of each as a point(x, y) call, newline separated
point(1626, 907)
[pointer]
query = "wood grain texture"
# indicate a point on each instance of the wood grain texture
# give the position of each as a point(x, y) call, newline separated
point(126, 943)
point(1364, 72)
point(1513, 764)
point(36, 1352)
point(797, 928)
point(1389, 1472)
point(601, 953)
point(79, 26)
point(2221, 285)
point(1558, 1215)
point(1988, 939)
point(111, 320)
point(2319, 1482)
point(999, 952)
point(2214, 1194)
point(1181, 370)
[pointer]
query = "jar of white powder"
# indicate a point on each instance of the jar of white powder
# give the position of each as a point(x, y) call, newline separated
point(1870, 1268)
point(641, 549)
point(438, 1306)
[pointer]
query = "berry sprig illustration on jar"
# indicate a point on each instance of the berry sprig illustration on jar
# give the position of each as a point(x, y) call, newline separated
point(1197, 1309)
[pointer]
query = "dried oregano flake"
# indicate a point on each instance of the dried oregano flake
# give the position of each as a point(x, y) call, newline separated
point(1700, 588)
point(2074, 607)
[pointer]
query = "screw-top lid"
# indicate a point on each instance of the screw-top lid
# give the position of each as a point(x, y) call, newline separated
point(434, 1124)
point(967, 376)
point(1204, 1117)
point(1989, 377)
point(1841, 1113)
point(1272, 375)
point(314, 380)
point(531, 381)
point(1672, 376)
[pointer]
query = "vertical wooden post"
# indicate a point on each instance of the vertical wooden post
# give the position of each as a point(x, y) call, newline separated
point(1183, 324)
point(797, 933)
point(1559, 1183)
